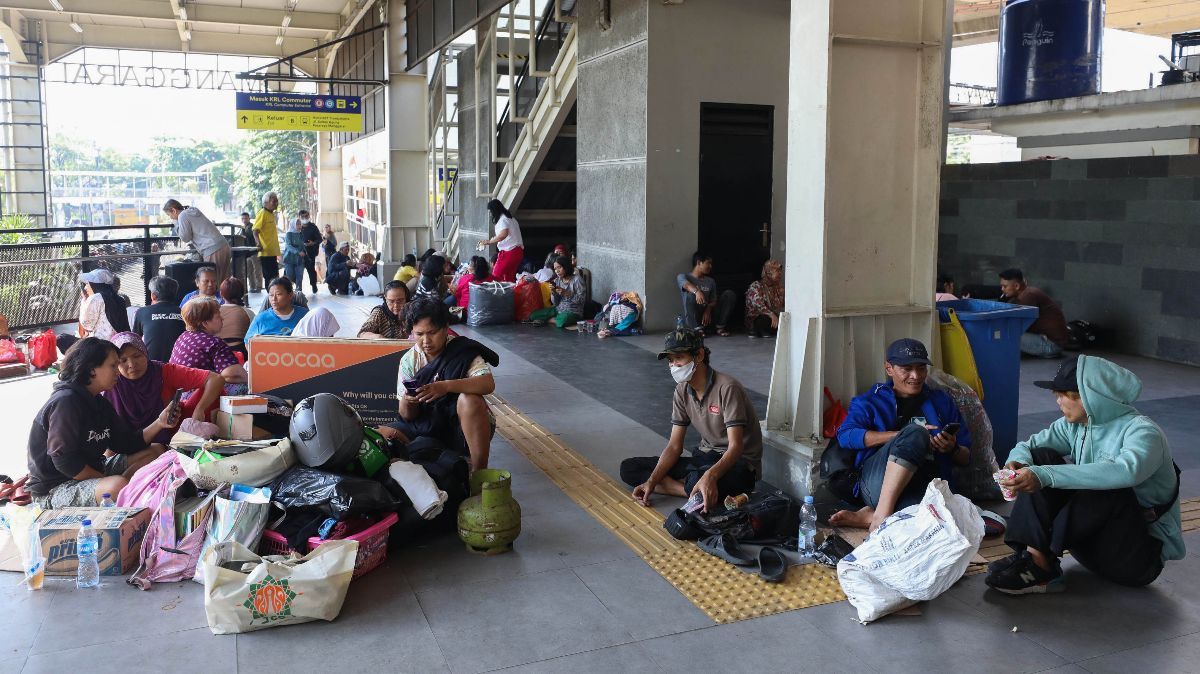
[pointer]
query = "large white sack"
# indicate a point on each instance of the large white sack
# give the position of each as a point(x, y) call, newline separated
point(915, 555)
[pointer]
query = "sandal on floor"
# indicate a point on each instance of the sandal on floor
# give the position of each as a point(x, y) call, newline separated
point(722, 332)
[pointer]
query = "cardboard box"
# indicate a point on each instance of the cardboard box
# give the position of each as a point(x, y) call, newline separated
point(250, 404)
point(119, 531)
point(360, 371)
point(234, 426)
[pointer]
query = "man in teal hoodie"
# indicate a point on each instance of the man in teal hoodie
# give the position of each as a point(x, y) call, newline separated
point(1115, 507)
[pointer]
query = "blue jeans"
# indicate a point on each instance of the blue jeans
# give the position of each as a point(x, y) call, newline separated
point(1034, 344)
point(911, 450)
point(295, 272)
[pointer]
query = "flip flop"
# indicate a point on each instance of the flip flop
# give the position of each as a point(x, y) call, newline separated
point(726, 548)
point(772, 565)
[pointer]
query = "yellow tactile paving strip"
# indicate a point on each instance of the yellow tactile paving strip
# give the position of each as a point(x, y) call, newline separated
point(723, 592)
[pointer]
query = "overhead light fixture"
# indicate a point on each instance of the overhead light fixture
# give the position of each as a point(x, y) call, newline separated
point(287, 20)
point(187, 35)
point(76, 27)
point(278, 40)
point(56, 5)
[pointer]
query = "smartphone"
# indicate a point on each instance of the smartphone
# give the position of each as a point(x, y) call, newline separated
point(411, 386)
point(951, 428)
point(175, 407)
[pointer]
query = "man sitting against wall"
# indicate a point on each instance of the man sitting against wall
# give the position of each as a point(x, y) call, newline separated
point(1048, 334)
point(903, 435)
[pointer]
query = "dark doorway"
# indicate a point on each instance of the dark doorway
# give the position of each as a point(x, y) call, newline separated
point(736, 147)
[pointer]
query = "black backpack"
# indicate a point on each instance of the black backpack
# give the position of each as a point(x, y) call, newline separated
point(768, 517)
point(838, 471)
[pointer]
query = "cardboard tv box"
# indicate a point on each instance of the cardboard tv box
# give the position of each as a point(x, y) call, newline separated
point(119, 532)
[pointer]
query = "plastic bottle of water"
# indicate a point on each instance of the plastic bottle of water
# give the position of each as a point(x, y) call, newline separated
point(107, 501)
point(85, 546)
point(808, 528)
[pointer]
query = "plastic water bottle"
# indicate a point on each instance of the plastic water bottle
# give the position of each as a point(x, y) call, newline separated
point(808, 528)
point(107, 501)
point(89, 569)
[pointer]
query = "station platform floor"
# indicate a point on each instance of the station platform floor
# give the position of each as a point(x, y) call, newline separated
point(573, 597)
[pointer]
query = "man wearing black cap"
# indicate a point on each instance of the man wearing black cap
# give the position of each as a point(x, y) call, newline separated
point(1115, 506)
point(729, 458)
point(904, 434)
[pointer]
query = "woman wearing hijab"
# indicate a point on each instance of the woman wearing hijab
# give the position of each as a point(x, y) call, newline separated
point(337, 276)
point(294, 253)
point(145, 387)
point(283, 314)
point(101, 312)
point(200, 347)
point(764, 301)
point(317, 323)
point(386, 321)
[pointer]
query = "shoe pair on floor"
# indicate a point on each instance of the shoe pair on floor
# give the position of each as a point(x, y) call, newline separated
point(772, 565)
point(1018, 574)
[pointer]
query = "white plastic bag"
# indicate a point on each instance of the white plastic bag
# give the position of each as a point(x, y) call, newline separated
point(915, 555)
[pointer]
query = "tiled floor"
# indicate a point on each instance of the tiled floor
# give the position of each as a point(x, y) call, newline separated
point(571, 597)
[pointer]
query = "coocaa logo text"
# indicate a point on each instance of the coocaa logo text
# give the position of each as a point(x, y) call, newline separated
point(295, 359)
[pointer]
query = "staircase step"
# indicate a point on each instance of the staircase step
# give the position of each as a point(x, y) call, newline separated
point(555, 177)
point(568, 131)
point(548, 214)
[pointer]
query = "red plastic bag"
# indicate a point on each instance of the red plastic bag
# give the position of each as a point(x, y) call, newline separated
point(9, 352)
point(527, 298)
point(833, 417)
point(43, 350)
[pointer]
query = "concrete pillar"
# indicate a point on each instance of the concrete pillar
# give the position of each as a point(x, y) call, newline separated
point(25, 189)
point(330, 189)
point(473, 165)
point(408, 140)
point(866, 90)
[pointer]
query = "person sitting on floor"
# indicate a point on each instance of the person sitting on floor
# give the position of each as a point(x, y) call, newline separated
point(146, 386)
point(235, 318)
point(207, 285)
point(702, 306)
point(481, 272)
point(441, 384)
point(430, 284)
point(160, 324)
point(1047, 336)
point(283, 314)
point(764, 301)
point(729, 458)
point(318, 322)
point(337, 275)
point(101, 313)
point(386, 321)
point(904, 434)
point(407, 270)
point(77, 427)
point(1115, 506)
point(366, 279)
point(202, 349)
point(568, 294)
point(620, 316)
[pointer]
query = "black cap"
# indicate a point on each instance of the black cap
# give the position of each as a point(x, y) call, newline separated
point(907, 352)
point(681, 340)
point(1064, 379)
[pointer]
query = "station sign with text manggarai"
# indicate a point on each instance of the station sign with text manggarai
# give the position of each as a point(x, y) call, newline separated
point(298, 112)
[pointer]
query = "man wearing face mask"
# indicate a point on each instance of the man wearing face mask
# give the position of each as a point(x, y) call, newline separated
point(729, 458)
point(903, 435)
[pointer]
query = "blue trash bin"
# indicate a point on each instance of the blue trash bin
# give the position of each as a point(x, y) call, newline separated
point(994, 330)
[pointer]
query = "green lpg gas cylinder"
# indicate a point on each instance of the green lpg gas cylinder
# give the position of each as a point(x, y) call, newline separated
point(490, 520)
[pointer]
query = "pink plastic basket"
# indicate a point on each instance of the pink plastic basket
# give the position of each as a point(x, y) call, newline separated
point(372, 544)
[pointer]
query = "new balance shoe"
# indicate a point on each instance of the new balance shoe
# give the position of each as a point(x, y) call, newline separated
point(1023, 576)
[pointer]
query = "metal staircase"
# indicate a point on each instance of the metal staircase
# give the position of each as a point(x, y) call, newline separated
point(24, 178)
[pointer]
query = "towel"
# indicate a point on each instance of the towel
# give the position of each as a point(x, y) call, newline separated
point(426, 498)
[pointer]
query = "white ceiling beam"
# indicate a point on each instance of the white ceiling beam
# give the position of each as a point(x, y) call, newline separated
point(315, 22)
point(63, 40)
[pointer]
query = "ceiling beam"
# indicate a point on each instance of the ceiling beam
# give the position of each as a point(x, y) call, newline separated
point(62, 41)
point(161, 11)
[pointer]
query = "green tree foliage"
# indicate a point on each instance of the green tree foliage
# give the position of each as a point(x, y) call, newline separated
point(179, 154)
point(274, 161)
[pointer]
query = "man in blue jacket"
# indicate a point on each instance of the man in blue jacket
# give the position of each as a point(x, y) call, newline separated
point(1115, 507)
point(905, 434)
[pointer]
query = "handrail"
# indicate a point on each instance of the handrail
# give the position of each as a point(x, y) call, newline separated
point(543, 25)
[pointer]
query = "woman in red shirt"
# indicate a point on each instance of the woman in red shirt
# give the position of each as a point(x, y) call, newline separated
point(146, 386)
point(481, 273)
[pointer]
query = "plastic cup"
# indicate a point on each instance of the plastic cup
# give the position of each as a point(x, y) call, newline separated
point(1005, 474)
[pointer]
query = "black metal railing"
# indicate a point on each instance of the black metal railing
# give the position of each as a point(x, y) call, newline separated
point(972, 94)
point(39, 268)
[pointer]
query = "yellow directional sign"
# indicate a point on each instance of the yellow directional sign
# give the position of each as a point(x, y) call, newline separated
point(298, 112)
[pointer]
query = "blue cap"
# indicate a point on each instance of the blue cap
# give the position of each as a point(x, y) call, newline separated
point(907, 352)
point(808, 499)
point(87, 523)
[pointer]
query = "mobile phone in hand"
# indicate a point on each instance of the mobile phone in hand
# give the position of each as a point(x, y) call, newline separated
point(411, 386)
point(176, 407)
point(951, 428)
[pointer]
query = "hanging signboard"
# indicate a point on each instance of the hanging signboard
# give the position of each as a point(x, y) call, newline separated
point(298, 112)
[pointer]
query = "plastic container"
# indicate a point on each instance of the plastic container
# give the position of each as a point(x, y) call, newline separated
point(994, 330)
point(1049, 49)
point(372, 544)
point(806, 541)
point(88, 574)
point(108, 502)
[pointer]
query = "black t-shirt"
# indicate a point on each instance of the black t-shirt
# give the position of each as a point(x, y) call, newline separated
point(73, 430)
point(159, 325)
point(310, 232)
point(907, 408)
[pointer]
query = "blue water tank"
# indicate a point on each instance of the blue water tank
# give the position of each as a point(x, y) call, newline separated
point(1049, 49)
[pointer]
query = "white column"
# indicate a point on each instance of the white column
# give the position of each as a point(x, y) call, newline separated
point(866, 90)
point(330, 188)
